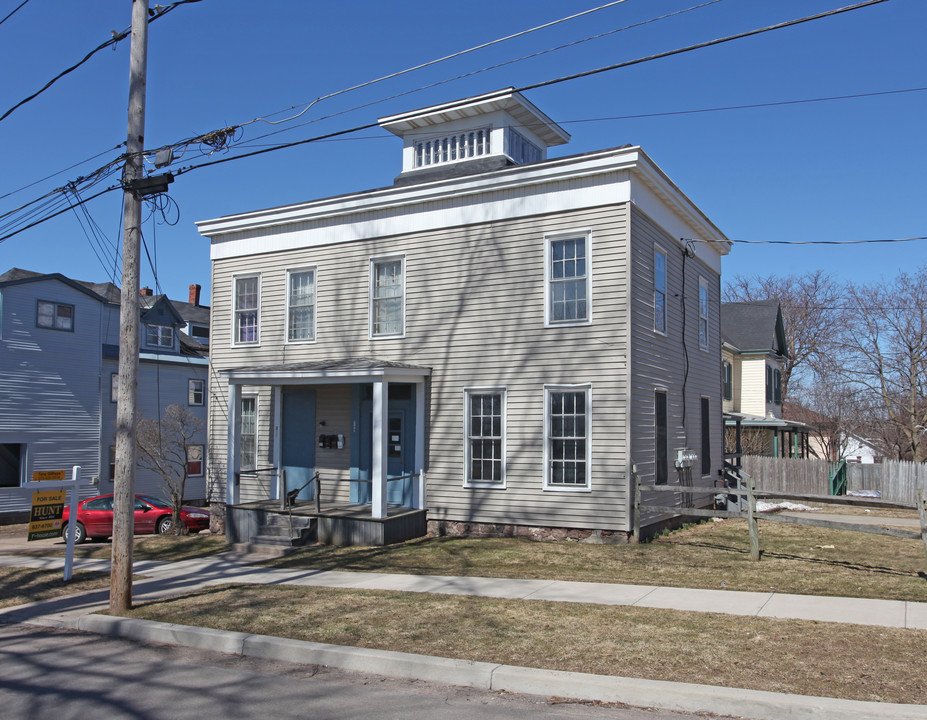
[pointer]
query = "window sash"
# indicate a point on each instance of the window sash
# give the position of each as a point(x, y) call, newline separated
point(196, 392)
point(568, 438)
point(659, 291)
point(485, 438)
point(195, 460)
point(387, 291)
point(301, 306)
point(703, 315)
point(568, 280)
point(247, 299)
point(54, 316)
point(159, 336)
point(248, 434)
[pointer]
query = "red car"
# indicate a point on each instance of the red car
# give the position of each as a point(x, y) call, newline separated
point(95, 517)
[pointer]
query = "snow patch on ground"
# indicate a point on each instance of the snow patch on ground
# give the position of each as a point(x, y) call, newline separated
point(776, 507)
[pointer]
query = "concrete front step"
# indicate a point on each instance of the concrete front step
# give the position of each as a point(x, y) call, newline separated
point(258, 549)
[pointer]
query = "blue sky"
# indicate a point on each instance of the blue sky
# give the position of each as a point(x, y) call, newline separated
point(833, 170)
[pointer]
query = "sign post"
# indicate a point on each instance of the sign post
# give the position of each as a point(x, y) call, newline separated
point(48, 506)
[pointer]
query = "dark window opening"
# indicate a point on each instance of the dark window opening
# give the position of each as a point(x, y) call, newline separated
point(661, 465)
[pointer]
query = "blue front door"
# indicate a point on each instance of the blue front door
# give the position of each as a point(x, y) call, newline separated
point(400, 455)
point(298, 440)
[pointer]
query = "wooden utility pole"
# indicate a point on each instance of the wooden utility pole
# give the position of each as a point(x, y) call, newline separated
point(120, 592)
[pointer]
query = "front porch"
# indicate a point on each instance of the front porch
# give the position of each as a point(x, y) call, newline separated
point(342, 442)
point(335, 524)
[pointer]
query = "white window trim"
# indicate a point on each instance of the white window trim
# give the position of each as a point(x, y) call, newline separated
point(190, 382)
point(55, 305)
point(114, 387)
point(467, 392)
point(370, 283)
point(661, 251)
point(163, 330)
point(202, 471)
point(548, 244)
point(703, 285)
point(257, 431)
point(315, 306)
point(548, 487)
point(235, 279)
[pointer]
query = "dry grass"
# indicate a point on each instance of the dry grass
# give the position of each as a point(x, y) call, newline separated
point(803, 560)
point(164, 548)
point(809, 658)
point(19, 585)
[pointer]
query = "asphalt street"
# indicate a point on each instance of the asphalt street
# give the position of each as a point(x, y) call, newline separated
point(65, 675)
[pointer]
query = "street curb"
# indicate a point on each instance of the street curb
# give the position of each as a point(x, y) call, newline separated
point(661, 694)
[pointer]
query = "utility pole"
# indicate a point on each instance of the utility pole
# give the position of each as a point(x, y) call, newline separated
point(120, 592)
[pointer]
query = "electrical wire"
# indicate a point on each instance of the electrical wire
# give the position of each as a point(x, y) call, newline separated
point(431, 62)
point(115, 39)
point(13, 11)
point(825, 242)
point(70, 167)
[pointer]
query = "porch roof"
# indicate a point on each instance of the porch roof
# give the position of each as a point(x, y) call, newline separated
point(768, 422)
point(326, 371)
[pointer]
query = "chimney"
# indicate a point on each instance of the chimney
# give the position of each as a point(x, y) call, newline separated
point(146, 291)
point(195, 295)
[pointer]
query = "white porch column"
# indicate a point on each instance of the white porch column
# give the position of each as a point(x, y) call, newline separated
point(276, 491)
point(380, 438)
point(232, 494)
point(419, 498)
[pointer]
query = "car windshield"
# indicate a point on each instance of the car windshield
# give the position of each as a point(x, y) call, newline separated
point(155, 501)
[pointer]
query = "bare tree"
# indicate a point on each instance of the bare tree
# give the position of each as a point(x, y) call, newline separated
point(834, 410)
point(809, 303)
point(163, 448)
point(884, 350)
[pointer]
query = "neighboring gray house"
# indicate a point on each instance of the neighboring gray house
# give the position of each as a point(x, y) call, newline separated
point(59, 343)
point(496, 341)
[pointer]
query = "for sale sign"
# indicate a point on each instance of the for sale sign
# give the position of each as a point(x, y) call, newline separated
point(47, 509)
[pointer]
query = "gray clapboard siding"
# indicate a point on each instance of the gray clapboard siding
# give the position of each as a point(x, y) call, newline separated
point(468, 321)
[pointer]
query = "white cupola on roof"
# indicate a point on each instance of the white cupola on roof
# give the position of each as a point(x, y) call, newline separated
point(473, 135)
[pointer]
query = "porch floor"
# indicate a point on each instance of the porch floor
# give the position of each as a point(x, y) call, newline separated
point(338, 523)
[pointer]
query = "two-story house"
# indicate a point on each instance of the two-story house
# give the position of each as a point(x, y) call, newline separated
point(753, 355)
point(498, 340)
point(59, 349)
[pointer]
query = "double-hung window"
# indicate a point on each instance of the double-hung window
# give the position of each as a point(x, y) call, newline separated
point(568, 280)
point(54, 315)
point(568, 430)
point(703, 313)
point(247, 304)
point(196, 392)
point(248, 434)
point(727, 380)
point(659, 291)
point(300, 305)
point(485, 437)
point(387, 297)
point(195, 460)
point(159, 336)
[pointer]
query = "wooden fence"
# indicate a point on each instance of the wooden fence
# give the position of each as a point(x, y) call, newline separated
point(801, 476)
point(898, 481)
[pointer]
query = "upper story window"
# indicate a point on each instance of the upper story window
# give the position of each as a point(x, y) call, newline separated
point(387, 297)
point(200, 333)
point(727, 380)
point(452, 148)
point(568, 287)
point(659, 291)
point(196, 392)
point(161, 336)
point(568, 430)
point(520, 149)
point(773, 385)
point(703, 313)
point(300, 300)
point(54, 316)
point(485, 449)
point(247, 304)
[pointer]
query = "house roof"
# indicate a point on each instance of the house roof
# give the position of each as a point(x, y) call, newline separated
point(106, 292)
point(751, 327)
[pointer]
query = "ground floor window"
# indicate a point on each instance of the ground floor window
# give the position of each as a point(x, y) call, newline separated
point(248, 440)
point(568, 433)
point(661, 464)
point(194, 460)
point(485, 433)
point(706, 436)
point(11, 456)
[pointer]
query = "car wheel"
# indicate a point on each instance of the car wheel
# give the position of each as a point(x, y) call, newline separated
point(80, 533)
point(165, 525)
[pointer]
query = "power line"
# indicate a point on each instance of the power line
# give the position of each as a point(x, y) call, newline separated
point(60, 212)
point(825, 242)
point(13, 11)
point(159, 12)
point(70, 167)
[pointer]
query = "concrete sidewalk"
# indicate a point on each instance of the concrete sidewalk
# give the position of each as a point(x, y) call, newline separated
point(228, 567)
point(79, 612)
